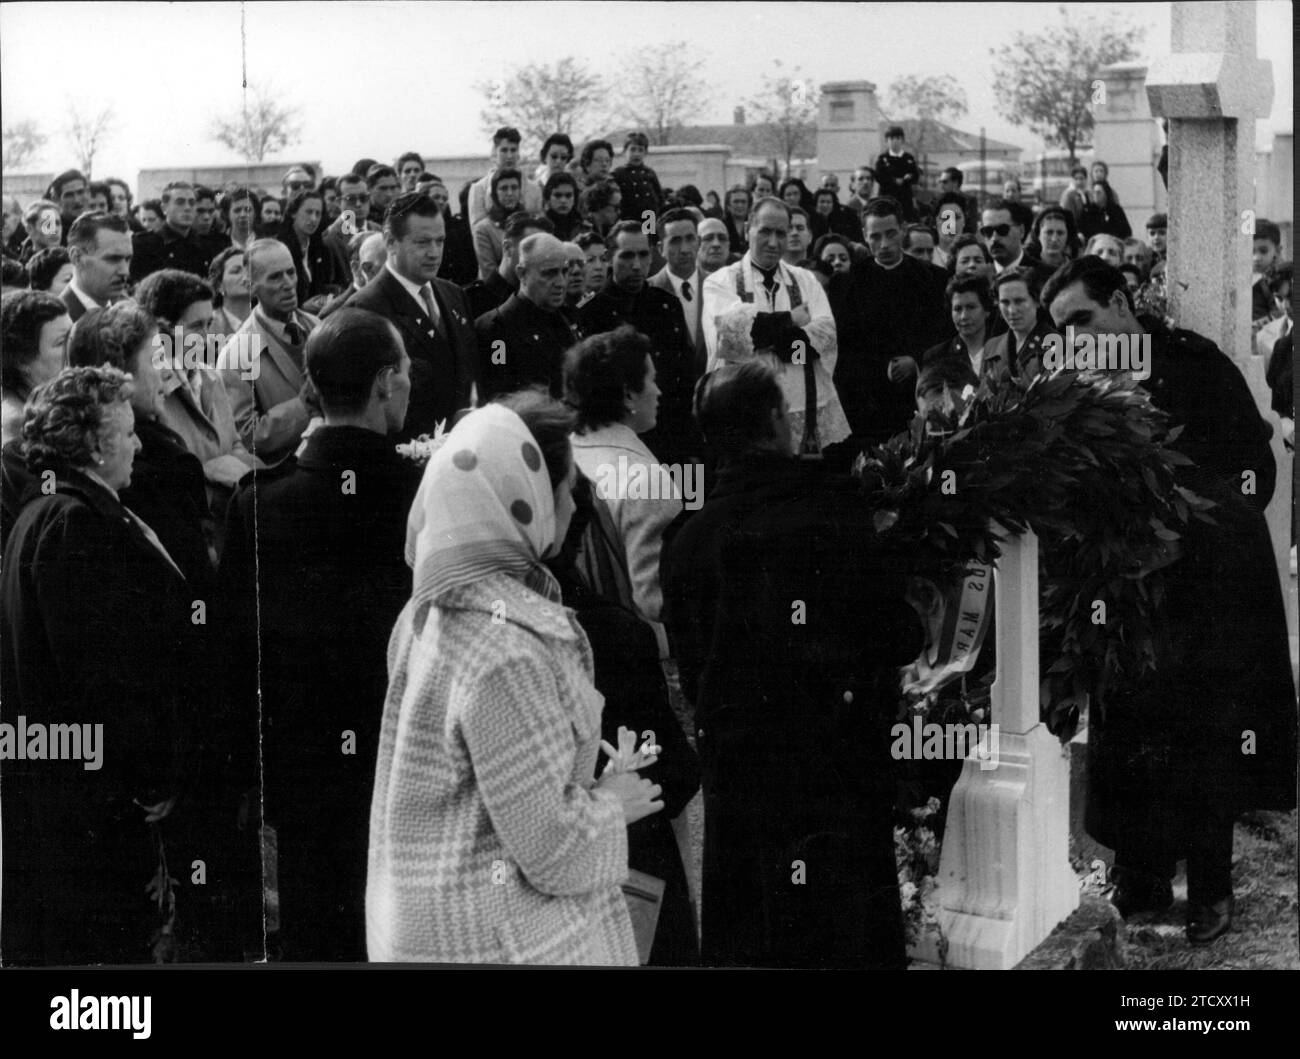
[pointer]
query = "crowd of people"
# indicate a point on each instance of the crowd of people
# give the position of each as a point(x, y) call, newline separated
point(324, 503)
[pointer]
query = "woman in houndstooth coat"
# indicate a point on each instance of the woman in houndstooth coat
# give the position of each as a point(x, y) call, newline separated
point(489, 841)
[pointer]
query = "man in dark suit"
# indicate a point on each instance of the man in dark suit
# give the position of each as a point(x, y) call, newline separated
point(321, 540)
point(485, 294)
point(888, 311)
point(628, 298)
point(682, 278)
point(99, 246)
point(1004, 234)
point(176, 244)
point(522, 343)
point(430, 314)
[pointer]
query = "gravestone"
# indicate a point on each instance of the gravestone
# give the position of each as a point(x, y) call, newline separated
point(1005, 880)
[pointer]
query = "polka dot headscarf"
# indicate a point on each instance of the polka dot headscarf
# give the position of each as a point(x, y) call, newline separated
point(485, 506)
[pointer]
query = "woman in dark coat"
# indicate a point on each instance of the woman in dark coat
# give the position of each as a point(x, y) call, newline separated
point(1103, 215)
point(167, 489)
point(96, 631)
point(630, 677)
point(300, 231)
point(789, 631)
point(1175, 757)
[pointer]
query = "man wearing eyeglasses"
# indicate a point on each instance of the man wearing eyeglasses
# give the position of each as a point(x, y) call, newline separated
point(176, 244)
point(295, 180)
point(353, 218)
point(1004, 236)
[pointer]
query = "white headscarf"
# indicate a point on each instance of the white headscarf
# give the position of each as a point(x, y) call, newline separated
point(485, 506)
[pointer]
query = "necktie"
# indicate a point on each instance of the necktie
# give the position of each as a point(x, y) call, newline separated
point(293, 333)
point(430, 306)
point(686, 290)
point(769, 281)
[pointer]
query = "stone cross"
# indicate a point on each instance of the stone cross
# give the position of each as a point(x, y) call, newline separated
point(1005, 880)
point(1212, 88)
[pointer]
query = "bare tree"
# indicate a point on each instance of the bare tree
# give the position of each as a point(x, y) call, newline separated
point(263, 126)
point(1048, 81)
point(927, 99)
point(87, 134)
point(539, 99)
point(22, 143)
point(787, 106)
point(662, 89)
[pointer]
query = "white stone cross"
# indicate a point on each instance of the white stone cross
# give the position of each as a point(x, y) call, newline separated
point(1212, 88)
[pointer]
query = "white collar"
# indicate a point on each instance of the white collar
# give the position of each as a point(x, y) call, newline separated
point(1012, 264)
point(781, 267)
point(694, 278)
point(82, 296)
point(413, 289)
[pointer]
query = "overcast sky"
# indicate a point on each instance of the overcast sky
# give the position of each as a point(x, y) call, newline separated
point(376, 79)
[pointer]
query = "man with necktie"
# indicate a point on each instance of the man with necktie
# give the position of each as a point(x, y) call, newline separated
point(681, 277)
point(262, 362)
point(429, 313)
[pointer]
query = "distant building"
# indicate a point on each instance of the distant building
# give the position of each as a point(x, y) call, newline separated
point(851, 132)
point(26, 187)
point(262, 177)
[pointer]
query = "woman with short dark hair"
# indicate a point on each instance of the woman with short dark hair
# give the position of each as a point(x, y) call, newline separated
point(241, 211)
point(505, 192)
point(50, 270)
point(195, 404)
point(300, 231)
point(97, 634)
point(560, 201)
point(609, 380)
point(34, 330)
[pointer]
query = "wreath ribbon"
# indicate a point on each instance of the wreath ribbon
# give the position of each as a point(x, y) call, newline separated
point(964, 621)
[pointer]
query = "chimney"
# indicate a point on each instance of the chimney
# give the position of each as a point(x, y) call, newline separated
point(738, 116)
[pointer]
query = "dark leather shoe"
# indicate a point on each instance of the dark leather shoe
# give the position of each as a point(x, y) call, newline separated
point(1136, 893)
point(1207, 922)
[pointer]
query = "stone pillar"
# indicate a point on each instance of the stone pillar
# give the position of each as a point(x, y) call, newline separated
point(1127, 138)
point(1005, 880)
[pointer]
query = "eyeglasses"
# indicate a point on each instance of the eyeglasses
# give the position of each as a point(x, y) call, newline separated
point(357, 199)
point(298, 185)
point(1000, 230)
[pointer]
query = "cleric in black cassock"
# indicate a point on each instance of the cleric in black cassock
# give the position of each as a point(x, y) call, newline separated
point(789, 631)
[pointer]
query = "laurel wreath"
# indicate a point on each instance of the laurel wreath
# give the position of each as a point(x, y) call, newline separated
point(1082, 458)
